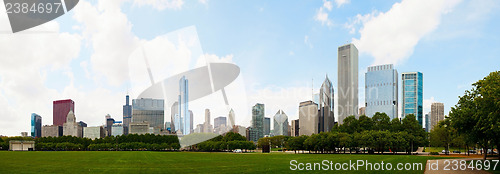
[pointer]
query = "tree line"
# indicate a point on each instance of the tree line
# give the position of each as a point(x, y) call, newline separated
point(365, 134)
point(121, 142)
point(230, 141)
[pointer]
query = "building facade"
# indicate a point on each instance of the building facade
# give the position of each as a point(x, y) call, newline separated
point(150, 111)
point(427, 122)
point(36, 125)
point(207, 127)
point(220, 121)
point(280, 123)
point(93, 132)
point(381, 90)
point(183, 118)
point(437, 114)
point(127, 115)
point(413, 95)
point(295, 128)
point(326, 116)
point(60, 110)
point(347, 81)
point(231, 121)
point(71, 127)
point(139, 127)
point(52, 131)
point(257, 121)
point(308, 118)
point(267, 126)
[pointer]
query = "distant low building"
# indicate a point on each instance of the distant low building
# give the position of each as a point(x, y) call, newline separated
point(21, 145)
point(139, 128)
point(116, 129)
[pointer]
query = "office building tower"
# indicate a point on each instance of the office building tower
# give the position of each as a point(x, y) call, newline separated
point(381, 90)
point(36, 125)
point(207, 127)
point(362, 111)
point(127, 115)
point(413, 95)
point(326, 116)
point(71, 127)
point(347, 81)
point(60, 110)
point(280, 123)
point(174, 118)
point(231, 119)
point(150, 111)
point(267, 126)
point(220, 121)
point(183, 112)
point(93, 132)
point(437, 114)
point(52, 131)
point(116, 129)
point(308, 118)
point(428, 122)
point(252, 134)
point(109, 124)
point(257, 122)
point(191, 115)
point(139, 127)
point(295, 128)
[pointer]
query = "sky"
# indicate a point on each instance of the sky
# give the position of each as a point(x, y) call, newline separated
point(284, 50)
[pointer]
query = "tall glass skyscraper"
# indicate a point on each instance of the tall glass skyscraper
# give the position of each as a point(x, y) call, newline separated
point(280, 123)
point(326, 117)
point(184, 115)
point(347, 81)
point(127, 115)
point(381, 90)
point(150, 111)
point(36, 125)
point(257, 121)
point(413, 95)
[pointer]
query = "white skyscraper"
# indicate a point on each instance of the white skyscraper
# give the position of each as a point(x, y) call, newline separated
point(381, 90)
point(347, 81)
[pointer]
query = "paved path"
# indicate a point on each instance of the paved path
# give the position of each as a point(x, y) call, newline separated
point(432, 165)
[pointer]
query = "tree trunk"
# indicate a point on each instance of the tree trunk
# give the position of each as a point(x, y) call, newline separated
point(485, 151)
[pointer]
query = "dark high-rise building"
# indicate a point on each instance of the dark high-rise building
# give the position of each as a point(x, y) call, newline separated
point(36, 125)
point(82, 124)
point(267, 125)
point(127, 115)
point(109, 125)
point(60, 111)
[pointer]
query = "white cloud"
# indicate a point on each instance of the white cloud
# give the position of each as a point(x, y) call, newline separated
point(322, 14)
point(341, 2)
point(203, 1)
point(391, 36)
point(427, 104)
point(26, 58)
point(164, 4)
point(358, 20)
point(109, 32)
point(307, 42)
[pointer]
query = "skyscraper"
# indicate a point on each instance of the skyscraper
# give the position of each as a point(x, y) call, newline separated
point(207, 127)
point(295, 128)
point(184, 117)
point(308, 118)
point(326, 116)
point(427, 122)
point(280, 123)
point(267, 126)
point(127, 115)
point(413, 95)
point(220, 122)
point(36, 125)
point(437, 114)
point(71, 127)
point(257, 121)
point(60, 111)
point(347, 81)
point(150, 111)
point(231, 119)
point(381, 90)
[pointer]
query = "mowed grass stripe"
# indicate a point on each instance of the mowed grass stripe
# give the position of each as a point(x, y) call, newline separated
point(174, 162)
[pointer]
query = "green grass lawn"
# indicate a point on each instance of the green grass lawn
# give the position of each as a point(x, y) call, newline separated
point(175, 162)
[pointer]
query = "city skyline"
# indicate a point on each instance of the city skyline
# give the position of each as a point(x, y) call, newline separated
point(96, 76)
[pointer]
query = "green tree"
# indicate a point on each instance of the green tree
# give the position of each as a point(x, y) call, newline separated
point(381, 121)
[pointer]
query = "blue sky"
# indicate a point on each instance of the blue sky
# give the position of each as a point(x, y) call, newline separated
point(280, 47)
